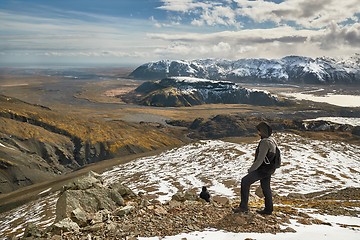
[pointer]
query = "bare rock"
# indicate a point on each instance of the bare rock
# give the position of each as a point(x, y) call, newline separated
point(116, 197)
point(87, 195)
point(159, 210)
point(90, 180)
point(296, 196)
point(94, 228)
point(32, 231)
point(185, 196)
point(289, 229)
point(79, 216)
point(124, 191)
point(123, 211)
point(65, 225)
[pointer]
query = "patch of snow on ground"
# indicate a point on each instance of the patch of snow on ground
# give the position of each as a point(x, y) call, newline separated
point(196, 80)
point(40, 212)
point(340, 120)
point(334, 99)
point(308, 166)
point(318, 232)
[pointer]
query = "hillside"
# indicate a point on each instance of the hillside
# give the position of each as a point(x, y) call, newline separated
point(187, 91)
point(37, 142)
point(166, 187)
point(290, 69)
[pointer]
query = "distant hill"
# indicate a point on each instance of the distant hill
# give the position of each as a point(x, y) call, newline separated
point(290, 69)
point(187, 91)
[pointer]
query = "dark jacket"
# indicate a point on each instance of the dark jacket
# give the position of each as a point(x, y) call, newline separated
point(265, 150)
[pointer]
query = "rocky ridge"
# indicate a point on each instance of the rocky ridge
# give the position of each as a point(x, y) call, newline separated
point(221, 126)
point(186, 91)
point(37, 143)
point(117, 212)
point(290, 69)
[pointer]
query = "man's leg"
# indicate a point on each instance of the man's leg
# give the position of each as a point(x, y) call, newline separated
point(265, 185)
point(246, 182)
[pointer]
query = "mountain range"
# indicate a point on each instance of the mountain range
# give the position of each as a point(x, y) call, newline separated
point(290, 69)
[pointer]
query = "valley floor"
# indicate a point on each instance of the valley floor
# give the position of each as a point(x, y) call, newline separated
point(317, 187)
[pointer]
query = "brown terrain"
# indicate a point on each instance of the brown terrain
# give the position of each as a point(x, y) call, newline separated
point(55, 127)
point(79, 215)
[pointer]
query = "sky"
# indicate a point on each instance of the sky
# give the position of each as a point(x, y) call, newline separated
point(132, 32)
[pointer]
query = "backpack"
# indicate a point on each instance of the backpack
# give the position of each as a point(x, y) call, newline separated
point(277, 158)
point(274, 159)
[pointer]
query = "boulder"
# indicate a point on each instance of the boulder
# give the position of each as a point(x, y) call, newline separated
point(65, 225)
point(92, 179)
point(124, 191)
point(87, 195)
point(32, 231)
point(123, 211)
point(185, 196)
point(79, 216)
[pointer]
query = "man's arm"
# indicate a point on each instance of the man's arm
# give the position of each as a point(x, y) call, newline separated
point(263, 149)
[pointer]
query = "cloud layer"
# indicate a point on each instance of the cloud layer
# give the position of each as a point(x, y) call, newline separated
point(184, 29)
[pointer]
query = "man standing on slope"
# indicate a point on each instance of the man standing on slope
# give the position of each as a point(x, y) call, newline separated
point(261, 169)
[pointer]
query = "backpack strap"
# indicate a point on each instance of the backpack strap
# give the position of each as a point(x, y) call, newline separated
point(267, 160)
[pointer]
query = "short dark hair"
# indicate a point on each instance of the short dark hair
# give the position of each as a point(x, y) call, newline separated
point(264, 129)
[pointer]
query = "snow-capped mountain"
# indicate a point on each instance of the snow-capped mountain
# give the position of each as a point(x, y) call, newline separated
point(297, 69)
point(189, 91)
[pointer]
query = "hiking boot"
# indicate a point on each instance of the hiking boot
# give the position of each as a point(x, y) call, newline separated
point(240, 210)
point(264, 212)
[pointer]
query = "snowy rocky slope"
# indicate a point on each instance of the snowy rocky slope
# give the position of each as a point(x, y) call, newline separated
point(308, 166)
point(189, 91)
point(295, 69)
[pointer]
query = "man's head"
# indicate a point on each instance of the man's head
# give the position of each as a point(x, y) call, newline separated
point(264, 130)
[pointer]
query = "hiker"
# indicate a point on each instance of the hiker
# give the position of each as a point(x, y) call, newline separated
point(261, 169)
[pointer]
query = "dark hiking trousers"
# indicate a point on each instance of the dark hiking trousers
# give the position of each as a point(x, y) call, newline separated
point(250, 178)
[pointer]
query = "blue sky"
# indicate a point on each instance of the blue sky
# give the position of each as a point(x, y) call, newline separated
point(131, 32)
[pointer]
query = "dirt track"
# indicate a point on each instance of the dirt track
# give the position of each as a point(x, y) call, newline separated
point(11, 200)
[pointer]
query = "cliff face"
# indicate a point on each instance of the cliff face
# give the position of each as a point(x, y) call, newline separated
point(185, 91)
point(290, 69)
point(37, 143)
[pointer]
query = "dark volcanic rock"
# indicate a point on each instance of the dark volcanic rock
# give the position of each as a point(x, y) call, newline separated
point(183, 91)
point(236, 125)
point(356, 131)
point(223, 126)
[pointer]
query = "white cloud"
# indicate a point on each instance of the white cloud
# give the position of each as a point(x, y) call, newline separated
point(284, 34)
point(99, 36)
point(268, 43)
point(204, 12)
point(336, 36)
point(309, 14)
point(183, 5)
point(305, 13)
point(217, 15)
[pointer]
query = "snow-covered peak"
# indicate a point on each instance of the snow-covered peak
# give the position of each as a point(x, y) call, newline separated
point(297, 69)
point(191, 80)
